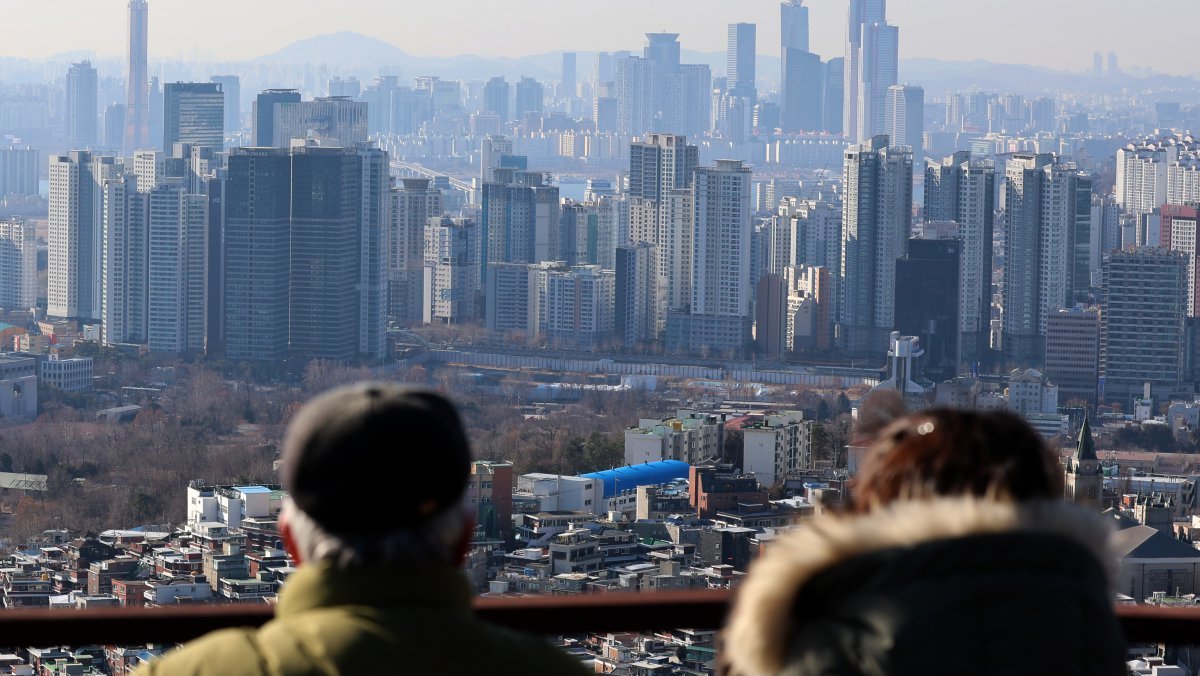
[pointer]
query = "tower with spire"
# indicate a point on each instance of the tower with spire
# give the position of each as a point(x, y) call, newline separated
point(1084, 478)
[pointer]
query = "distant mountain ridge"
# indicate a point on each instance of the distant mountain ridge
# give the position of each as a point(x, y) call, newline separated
point(366, 56)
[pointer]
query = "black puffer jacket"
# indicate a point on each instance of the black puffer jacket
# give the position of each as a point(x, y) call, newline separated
point(952, 586)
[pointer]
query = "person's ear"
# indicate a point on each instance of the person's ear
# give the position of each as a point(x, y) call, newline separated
point(289, 540)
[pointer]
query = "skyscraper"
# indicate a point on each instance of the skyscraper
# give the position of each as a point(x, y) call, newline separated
point(18, 265)
point(265, 114)
point(194, 112)
point(904, 118)
point(1142, 322)
point(333, 121)
point(567, 80)
point(304, 253)
point(531, 97)
point(137, 102)
point(740, 54)
point(719, 318)
point(635, 95)
point(81, 106)
point(834, 96)
point(661, 169)
point(495, 98)
point(451, 270)
point(927, 297)
point(414, 203)
point(803, 91)
point(75, 230)
point(177, 270)
point(878, 70)
point(231, 87)
point(865, 56)
point(793, 25)
point(963, 191)
point(1046, 218)
point(634, 321)
point(125, 261)
point(876, 222)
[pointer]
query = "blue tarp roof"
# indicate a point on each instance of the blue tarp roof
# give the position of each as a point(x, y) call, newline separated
point(628, 478)
point(252, 489)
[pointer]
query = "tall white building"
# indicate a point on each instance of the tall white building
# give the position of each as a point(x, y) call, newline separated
point(1141, 185)
point(125, 257)
point(876, 223)
point(74, 256)
point(870, 67)
point(720, 313)
point(414, 202)
point(177, 269)
point(776, 445)
point(635, 95)
point(904, 118)
point(451, 270)
point(580, 305)
point(1048, 207)
point(18, 265)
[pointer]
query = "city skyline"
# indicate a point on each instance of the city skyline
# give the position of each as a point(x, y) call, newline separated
point(1010, 37)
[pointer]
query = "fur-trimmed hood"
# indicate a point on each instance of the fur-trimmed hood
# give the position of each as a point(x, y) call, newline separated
point(757, 634)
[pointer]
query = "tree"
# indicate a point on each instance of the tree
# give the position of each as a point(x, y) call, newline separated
point(6, 462)
point(601, 452)
point(823, 410)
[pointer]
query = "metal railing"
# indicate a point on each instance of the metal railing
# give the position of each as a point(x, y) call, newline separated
point(567, 615)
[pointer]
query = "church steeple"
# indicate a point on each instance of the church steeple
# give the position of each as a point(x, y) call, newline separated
point(1086, 448)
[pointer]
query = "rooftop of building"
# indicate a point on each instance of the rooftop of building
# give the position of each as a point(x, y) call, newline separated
point(661, 472)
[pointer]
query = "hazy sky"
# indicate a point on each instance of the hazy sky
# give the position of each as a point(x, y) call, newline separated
point(1057, 33)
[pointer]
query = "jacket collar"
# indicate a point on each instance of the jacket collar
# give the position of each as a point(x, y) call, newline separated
point(757, 630)
point(322, 585)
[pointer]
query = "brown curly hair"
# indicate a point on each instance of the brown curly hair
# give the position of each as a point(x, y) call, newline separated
point(947, 452)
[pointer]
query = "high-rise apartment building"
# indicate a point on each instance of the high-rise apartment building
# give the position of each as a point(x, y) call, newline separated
point(634, 321)
point(802, 102)
point(520, 219)
point(1178, 232)
point(75, 233)
point(451, 282)
point(579, 306)
point(18, 265)
point(719, 318)
point(962, 190)
point(195, 114)
point(137, 79)
point(81, 106)
point(1141, 185)
point(495, 98)
point(19, 170)
point(125, 261)
point(531, 97)
point(904, 118)
point(876, 222)
point(1047, 249)
point(634, 84)
point(177, 270)
point(414, 202)
point(1142, 320)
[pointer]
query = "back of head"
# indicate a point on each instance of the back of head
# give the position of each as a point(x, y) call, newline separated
point(373, 458)
point(946, 452)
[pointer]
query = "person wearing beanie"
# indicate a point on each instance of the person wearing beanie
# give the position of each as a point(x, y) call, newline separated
point(375, 524)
